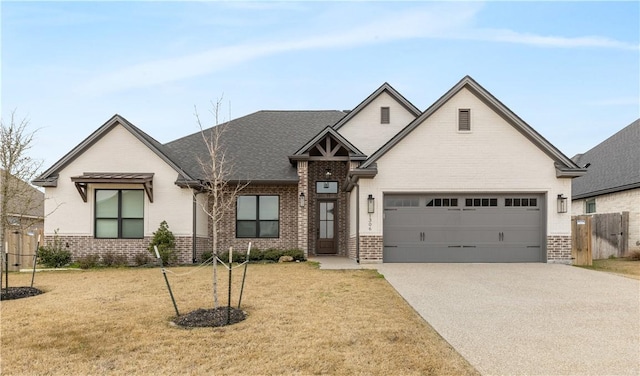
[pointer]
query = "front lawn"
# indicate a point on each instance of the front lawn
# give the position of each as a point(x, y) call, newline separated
point(300, 320)
point(623, 266)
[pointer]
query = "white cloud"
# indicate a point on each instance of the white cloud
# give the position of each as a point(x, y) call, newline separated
point(439, 21)
point(509, 36)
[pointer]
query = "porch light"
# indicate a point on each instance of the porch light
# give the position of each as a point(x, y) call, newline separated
point(370, 204)
point(327, 173)
point(562, 204)
point(301, 199)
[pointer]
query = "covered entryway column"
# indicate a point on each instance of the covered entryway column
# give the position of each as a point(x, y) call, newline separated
point(322, 166)
point(327, 207)
point(303, 207)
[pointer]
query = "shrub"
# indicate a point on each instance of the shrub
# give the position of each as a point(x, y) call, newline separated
point(238, 257)
point(54, 255)
point(169, 256)
point(268, 255)
point(141, 259)
point(296, 253)
point(166, 243)
point(205, 256)
point(111, 259)
point(272, 254)
point(256, 255)
point(88, 261)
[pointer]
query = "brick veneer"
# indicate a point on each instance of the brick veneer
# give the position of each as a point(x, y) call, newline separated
point(316, 172)
point(559, 249)
point(303, 211)
point(352, 248)
point(81, 246)
point(288, 238)
point(370, 249)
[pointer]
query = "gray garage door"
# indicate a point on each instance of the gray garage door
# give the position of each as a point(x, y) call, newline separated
point(463, 228)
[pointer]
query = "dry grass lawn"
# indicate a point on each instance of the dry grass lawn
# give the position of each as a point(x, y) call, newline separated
point(301, 321)
point(624, 266)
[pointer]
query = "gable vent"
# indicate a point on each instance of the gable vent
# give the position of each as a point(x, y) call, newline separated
point(385, 115)
point(464, 119)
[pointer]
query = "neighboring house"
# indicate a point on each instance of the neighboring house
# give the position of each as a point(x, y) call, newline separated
point(25, 203)
point(612, 181)
point(466, 180)
point(22, 210)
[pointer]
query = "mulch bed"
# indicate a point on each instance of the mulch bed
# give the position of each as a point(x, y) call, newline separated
point(212, 317)
point(19, 293)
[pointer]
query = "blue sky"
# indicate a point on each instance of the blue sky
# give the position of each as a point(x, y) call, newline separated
point(571, 70)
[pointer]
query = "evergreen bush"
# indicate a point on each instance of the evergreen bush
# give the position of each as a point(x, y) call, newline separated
point(54, 255)
point(164, 239)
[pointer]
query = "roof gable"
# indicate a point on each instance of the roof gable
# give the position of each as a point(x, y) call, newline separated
point(382, 89)
point(322, 144)
point(612, 166)
point(49, 177)
point(565, 167)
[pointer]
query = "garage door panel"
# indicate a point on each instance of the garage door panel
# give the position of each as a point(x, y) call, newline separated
point(478, 228)
point(476, 254)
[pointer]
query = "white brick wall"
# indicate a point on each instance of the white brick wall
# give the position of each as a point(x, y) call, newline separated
point(615, 203)
point(119, 151)
point(365, 131)
point(493, 157)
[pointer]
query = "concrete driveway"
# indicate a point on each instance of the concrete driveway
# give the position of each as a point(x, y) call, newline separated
point(528, 319)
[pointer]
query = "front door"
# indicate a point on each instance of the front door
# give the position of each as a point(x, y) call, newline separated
point(326, 224)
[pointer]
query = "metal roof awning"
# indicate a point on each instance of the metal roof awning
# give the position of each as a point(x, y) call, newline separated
point(83, 181)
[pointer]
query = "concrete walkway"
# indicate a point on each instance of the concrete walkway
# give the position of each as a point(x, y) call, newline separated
point(335, 262)
point(528, 319)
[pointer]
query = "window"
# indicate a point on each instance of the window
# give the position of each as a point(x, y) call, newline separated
point(257, 217)
point(481, 202)
point(401, 202)
point(464, 119)
point(119, 214)
point(520, 202)
point(590, 206)
point(443, 202)
point(385, 115)
point(327, 187)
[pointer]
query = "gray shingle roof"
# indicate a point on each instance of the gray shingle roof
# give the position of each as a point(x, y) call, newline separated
point(257, 145)
point(614, 164)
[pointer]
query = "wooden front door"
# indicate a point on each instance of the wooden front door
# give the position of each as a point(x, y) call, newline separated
point(326, 224)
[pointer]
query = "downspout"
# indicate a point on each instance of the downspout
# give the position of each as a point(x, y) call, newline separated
point(195, 228)
point(357, 222)
point(194, 237)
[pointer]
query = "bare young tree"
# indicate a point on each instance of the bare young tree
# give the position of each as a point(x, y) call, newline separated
point(221, 192)
point(20, 203)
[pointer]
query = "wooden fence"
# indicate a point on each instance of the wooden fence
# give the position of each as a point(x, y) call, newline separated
point(599, 236)
point(21, 247)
